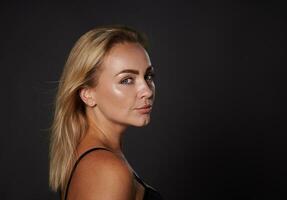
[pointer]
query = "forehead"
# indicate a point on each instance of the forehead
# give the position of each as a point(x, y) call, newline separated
point(126, 55)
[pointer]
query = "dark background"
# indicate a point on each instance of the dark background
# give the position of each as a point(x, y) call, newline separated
point(218, 127)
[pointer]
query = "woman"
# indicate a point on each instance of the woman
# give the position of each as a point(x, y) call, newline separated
point(106, 86)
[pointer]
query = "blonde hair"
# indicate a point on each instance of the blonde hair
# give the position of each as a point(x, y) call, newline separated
point(82, 69)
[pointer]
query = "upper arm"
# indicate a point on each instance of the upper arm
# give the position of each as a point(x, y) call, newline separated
point(102, 175)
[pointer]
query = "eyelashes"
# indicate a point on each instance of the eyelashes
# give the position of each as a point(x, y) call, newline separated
point(126, 81)
point(151, 75)
point(129, 80)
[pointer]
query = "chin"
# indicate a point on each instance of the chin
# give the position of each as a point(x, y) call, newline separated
point(142, 122)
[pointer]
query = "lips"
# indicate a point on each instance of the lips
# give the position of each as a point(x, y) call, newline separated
point(145, 109)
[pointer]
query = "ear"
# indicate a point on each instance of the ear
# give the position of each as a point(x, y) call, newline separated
point(87, 95)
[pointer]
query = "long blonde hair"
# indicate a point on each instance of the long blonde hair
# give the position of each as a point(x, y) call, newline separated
point(82, 69)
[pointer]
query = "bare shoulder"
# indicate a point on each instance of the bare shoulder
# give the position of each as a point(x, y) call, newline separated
point(102, 161)
point(102, 175)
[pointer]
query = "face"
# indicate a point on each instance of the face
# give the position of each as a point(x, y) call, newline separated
point(126, 85)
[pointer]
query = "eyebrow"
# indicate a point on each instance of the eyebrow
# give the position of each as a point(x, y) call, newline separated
point(133, 71)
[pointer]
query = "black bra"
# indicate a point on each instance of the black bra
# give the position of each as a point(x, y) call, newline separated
point(149, 194)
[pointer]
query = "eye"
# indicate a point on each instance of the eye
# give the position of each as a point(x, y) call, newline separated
point(150, 76)
point(127, 81)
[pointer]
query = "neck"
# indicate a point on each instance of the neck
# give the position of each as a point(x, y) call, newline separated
point(106, 132)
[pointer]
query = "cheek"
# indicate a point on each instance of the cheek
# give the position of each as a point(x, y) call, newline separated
point(152, 88)
point(118, 98)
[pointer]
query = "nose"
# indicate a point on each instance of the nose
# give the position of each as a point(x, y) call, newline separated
point(146, 90)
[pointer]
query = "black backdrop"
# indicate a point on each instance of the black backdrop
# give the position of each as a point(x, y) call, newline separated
point(218, 125)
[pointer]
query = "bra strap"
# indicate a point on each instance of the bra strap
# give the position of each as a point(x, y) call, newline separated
point(76, 164)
